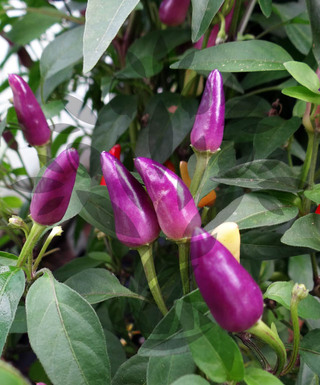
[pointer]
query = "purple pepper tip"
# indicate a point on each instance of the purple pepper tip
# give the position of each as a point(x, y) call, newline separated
point(233, 297)
point(135, 219)
point(207, 131)
point(175, 208)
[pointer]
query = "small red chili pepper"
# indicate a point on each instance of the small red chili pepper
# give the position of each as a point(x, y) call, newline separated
point(169, 165)
point(116, 152)
point(318, 210)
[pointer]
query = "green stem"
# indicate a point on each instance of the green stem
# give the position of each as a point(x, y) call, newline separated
point(133, 135)
point(55, 231)
point(314, 265)
point(307, 162)
point(203, 158)
point(150, 272)
point(299, 292)
point(42, 155)
point(34, 235)
point(246, 17)
point(262, 331)
point(184, 248)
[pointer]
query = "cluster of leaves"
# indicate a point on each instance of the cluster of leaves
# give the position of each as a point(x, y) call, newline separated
point(92, 320)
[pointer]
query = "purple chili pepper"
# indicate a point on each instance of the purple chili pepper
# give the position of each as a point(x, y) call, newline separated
point(207, 131)
point(29, 112)
point(53, 192)
point(135, 219)
point(233, 297)
point(173, 12)
point(10, 140)
point(176, 211)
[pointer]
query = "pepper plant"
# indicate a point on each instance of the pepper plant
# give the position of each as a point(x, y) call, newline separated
point(171, 233)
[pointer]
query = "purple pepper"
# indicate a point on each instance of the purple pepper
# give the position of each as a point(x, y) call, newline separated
point(176, 211)
point(173, 12)
point(207, 131)
point(53, 192)
point(135, 219)
point(29, 112)
point(10, 140)
point(233, 297)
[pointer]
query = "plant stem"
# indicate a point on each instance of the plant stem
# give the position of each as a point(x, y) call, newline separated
point(262, 331)
point(34, 235)
point(149, 269)
point(245, 19)
point(42, 155)
point(314, 266)
point(184, 248)
point(133, 135)
point(299, 292)
point(203, 158)
point(307, 163)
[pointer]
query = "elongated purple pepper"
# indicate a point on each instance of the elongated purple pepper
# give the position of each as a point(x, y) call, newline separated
point(10, 140)
point(135, 218)
point(233, 297)
point(176, 211)
point(173, 12)
point(207, 131)
point(53, 192)
point(30, 116)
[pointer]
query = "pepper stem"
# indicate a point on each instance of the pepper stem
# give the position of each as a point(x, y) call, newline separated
point(299, 292)
point(42, 155)
point(184, 248)
point(203, 158)
point(262, 331)
point(150, 272)
point(33, 237)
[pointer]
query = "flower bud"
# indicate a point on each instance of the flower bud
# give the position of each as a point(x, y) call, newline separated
point(173, 12)
point(233, 297)
point(207, 131)
point(29, 112)
point(176, 211)
point(53, 192)
point(229, 235)
point(135, 219)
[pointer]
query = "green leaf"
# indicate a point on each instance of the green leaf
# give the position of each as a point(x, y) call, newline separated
point(144, 56)
point(8, 259)
point(117, 355)
point(98, 285)
point(213, 350)
point(12, 282)
point(203, 11)
point(305, 232)
point(19, 324)
point(306, 375)
point(296, 24)
point(10, 375)
point(31, 26)
point(132, 372)
point(273, 132)
point(168, 337)
point(255, 376)
point(264, 245)
point(63, 52)
point(300, 270)
point(74, 267)
point(240, 56)
point(98, 210)
point(302, 93)
point(61, 139)
point(281, 292)
point(58, 318)
point(261, 174)
point(313, 7)
point(314, 194)
point(310, 350)
point(113, 121)
point(303, 75)
point(255, 79)
point(191, 379)
point(167, 369)
point(266, 7)
point(53, 108)
point(255, 210)
point(101, 27)
point(246, 107)
point(165, 130)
